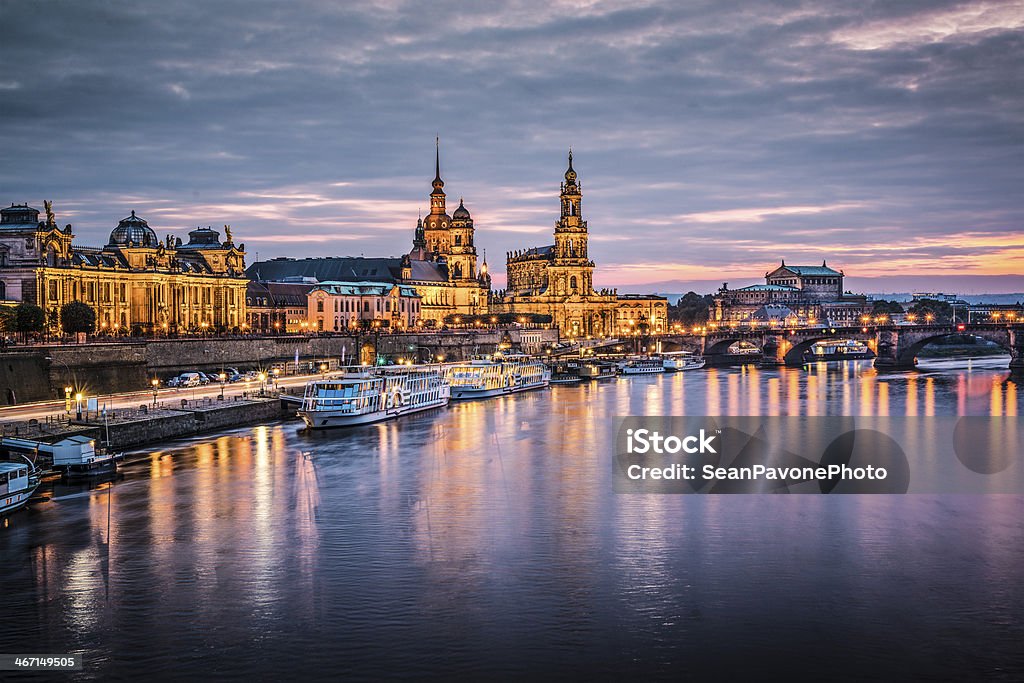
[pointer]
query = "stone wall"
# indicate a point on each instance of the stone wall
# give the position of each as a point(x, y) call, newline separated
point(195, 418)
point(41, 373)
point(24, 377)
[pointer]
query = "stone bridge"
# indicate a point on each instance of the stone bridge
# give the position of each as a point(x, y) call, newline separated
point(894, 346)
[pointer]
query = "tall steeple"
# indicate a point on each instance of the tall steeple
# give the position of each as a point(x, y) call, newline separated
point(438, 183)
point(437, 222)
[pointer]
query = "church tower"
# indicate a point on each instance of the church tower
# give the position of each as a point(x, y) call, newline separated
point(571, 268)
point(437, 222)
point(462, 252)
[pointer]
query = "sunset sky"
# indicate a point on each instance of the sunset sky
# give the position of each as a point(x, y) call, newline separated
point(712, 138)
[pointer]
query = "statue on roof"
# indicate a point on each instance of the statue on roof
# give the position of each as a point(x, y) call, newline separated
point(227, 234)
point(48, 206)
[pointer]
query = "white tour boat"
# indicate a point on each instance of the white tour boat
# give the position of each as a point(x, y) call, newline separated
point(482, 378)
point(18, 481)
point(681, 360)
point(641, 366)
point(366, 395)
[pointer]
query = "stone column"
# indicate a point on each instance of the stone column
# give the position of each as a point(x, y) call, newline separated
point(887, 349)
point(772, 351)
point(1017, 349)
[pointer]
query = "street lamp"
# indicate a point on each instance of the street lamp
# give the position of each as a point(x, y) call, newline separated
point(156, 388)
point(263, 382)
point(323, 370)
point(277, 374)
point(223, 377)
point(78, 406)
point(67, 400)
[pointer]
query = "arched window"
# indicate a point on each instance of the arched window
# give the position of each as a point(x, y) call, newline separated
point(320, 306)
point(458, 270)
point(458, 240)
point(572, 283)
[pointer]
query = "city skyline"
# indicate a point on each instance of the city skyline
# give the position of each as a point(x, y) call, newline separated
point(712, 141)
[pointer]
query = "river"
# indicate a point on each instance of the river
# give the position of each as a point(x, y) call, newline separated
point(484, 540)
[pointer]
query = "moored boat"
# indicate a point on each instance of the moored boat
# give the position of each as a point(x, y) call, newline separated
point(679, 361)
point(641, 365)
point(595, 370)
point(74, 456)
point(18, 481)
point(366, 395)
point(482, 378)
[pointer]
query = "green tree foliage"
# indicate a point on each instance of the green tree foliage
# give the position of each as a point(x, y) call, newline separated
point(883, 307)
point(691, 309)
point(942, 311)
point(77, 317)
point(28, 319)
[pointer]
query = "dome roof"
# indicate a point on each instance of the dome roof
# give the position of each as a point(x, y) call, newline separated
point(203, 238)
point(133, 231)
point(461, 212)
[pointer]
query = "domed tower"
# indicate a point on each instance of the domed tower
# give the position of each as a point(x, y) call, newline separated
point(572, 267)
point(462, 251)
point(437, 222)
point(133, 232)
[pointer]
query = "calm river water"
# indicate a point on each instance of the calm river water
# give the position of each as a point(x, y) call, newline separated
point(485, 540)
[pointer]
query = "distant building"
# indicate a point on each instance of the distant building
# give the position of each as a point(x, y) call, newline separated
point(442, 265)
point(343, 306)
point(995, 313)
point(792, 294)
point(135, 283)
point(277, 307)
point(557, 280)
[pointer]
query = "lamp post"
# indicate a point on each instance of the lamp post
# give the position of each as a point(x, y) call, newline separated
point(156, 388)
point(78, 406)
point(277, 374)
point(263, 383)
point(72, 380)
point(67, 400)
point(223, 377)
point(323, 371)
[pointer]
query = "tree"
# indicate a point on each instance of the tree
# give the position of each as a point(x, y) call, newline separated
point(691, 309)
point(77, 317)
point(940, 311)
point(29, 319)
point(883, 307)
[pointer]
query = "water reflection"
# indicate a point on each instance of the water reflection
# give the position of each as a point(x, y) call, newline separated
point(485, 537)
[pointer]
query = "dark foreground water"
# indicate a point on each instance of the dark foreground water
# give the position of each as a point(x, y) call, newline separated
point(485, 541)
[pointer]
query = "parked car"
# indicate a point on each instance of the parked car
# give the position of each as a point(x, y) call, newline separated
point(187, 380)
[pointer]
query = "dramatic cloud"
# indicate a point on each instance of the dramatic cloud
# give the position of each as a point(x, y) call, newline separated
point(712, 138)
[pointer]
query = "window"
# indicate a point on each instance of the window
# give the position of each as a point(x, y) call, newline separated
point(320, 306)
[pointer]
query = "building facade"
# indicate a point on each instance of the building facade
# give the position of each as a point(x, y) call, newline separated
point(344, 306)
point(136, 283)
point(442, 266)
point(277, 307)
point(797, 295)
point(557, 280)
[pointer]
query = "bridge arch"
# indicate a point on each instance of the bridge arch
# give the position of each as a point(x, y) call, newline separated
point(795, 355)
point(721, 346)
point(906, 355)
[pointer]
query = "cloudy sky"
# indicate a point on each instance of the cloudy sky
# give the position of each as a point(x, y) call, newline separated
point(712, 138)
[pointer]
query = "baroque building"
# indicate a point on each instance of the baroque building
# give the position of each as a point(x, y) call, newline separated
point(135, 283)
point(557, 280)
point(800, 295)
point(355, 305)
point(442, 266)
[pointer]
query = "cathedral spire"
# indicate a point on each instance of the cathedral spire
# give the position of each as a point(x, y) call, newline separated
point(438, 183)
